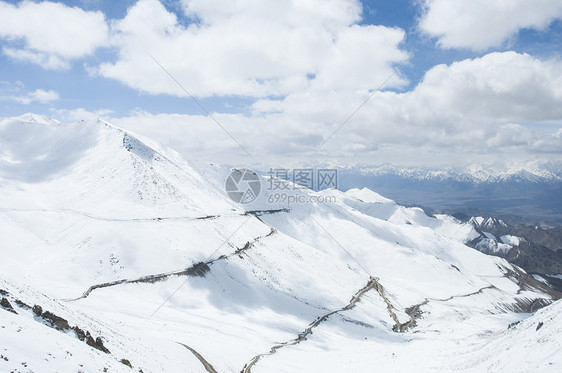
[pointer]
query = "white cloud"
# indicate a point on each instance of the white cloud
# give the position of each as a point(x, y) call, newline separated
point(16, 92)
point(308, 65)
point(50, 34)
point(484, 108)
point(252, 48)
point(78, 114)
point(498, 87)
point(39, 95)
point(486, 104)
point(481, 24)
point(47, 61)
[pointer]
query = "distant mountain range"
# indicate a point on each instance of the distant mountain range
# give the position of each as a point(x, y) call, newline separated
point(534, 172)
point(529, 193)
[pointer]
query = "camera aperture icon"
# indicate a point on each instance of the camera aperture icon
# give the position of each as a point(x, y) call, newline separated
point(243, 186)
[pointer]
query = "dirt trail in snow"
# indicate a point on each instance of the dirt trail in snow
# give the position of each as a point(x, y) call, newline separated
point(197, 269)
point(415, 311)
point(479, 291)
point(398, 326)
point(302, 336)
point(96, 217)
point(523, 280)
point(208, 367)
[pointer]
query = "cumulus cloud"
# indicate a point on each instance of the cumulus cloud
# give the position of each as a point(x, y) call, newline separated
point(253, 49)
point(39, 95)
point(16, 92)
point(498, 87)
point(469, 109)
point(78, 114)
point(50, 34)
point(453, 104)
point(476, 105)
point(481, 24)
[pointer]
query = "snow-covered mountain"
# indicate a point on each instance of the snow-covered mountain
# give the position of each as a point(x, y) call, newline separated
point(535, 172)
point(531, 192)
point(118, 255)
point(533, 248)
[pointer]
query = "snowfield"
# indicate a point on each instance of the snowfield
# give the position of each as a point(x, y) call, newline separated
point(119, 256)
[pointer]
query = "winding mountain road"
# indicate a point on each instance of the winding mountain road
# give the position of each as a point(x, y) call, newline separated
point(302, 336)
point(197, 269)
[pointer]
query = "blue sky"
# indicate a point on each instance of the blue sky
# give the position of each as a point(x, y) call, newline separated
point(479, 83)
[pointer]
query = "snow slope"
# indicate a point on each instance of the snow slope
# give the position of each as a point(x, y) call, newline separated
point(144, 250)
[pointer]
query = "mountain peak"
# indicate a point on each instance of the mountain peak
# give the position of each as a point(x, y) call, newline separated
point(35, 118)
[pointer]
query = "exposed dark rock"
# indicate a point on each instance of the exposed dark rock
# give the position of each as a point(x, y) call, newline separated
point(22, 304)
point(243, 249)
point(528, 306)
point(198, 269)
point(96, 343)
point(90, 341)
point(527, 282)
point(258, 213)
point(207, 217)
point(539, 325)
point(136, 147)
point(126, 362)
point(80, 334)
point(554, 282)
point(56, 322)
point(5, 304)
point(37, 310)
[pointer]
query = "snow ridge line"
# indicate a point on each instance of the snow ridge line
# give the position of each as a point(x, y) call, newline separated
point(302, 336)
point(197, 269)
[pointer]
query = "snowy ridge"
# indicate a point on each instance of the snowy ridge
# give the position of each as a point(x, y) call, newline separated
point(144, 250)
